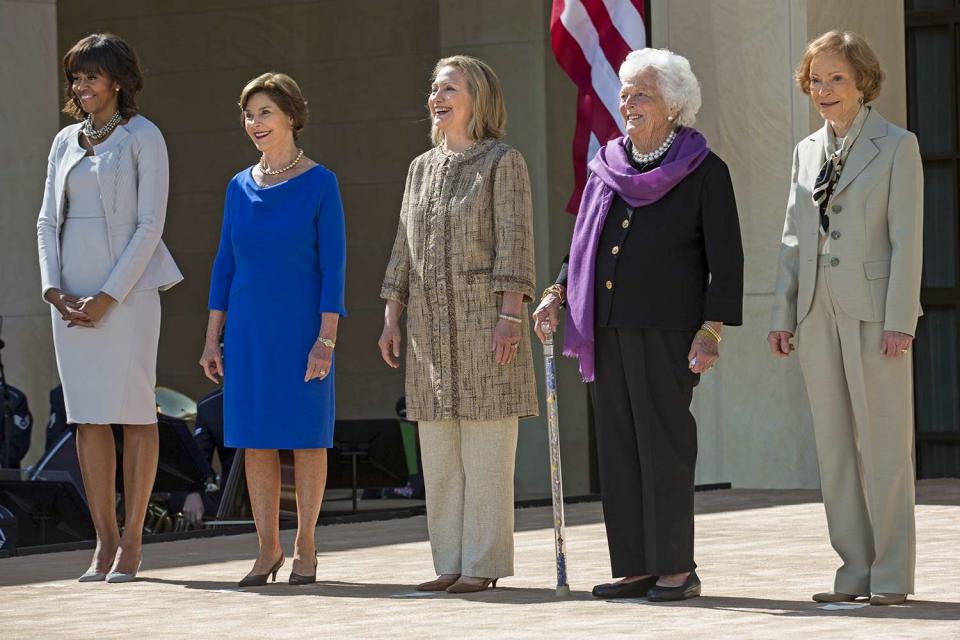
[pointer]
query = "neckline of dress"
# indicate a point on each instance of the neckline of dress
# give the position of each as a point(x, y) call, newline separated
point(249, 174)
point(466, 154)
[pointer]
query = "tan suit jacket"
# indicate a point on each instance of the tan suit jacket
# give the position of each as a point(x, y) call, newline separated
point(876, 226)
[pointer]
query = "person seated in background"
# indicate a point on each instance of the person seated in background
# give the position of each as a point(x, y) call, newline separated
point(15, 431)
point(208, 434)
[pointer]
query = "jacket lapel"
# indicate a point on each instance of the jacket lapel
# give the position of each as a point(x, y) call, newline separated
point(814, 155)
point(864, 149)
point(73, 155)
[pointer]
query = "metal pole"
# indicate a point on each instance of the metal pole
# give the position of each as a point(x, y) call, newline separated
point(556, 478)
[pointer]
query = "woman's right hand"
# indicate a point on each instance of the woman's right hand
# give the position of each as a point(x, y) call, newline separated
point(68, 306)
point(389, 343)
point(547, 311)
point(212, 362)
point(779, 342)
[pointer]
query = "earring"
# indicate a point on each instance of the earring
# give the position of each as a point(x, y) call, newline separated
point(860, 99)
point(118, 89)
point(670, 118)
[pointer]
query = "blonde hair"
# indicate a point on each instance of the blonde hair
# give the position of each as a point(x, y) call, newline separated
point(489, 118)
point(284, 91)
point(858, 53)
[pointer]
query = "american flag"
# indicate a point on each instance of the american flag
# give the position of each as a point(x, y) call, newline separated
point(590, 40)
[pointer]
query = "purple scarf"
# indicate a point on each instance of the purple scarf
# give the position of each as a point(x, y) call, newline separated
point(611, 174)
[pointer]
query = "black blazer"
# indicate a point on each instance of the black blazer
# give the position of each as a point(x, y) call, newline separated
point(675, 263)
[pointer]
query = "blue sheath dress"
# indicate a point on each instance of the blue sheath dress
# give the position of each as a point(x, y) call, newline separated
point(281, 263)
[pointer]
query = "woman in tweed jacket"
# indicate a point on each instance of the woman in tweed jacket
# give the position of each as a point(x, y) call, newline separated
point(462, 265)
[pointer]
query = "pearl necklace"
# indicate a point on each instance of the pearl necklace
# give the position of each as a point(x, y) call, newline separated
point(647, 158)
point(93, 133)
point(274, 172)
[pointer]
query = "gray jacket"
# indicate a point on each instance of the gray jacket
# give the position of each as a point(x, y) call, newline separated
point(133, 176)
point(876, 245)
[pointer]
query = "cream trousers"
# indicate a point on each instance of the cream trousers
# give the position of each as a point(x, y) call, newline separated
point(468, 474)
point(862, 404)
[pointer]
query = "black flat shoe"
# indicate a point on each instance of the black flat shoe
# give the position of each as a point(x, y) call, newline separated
point(689, 589)
point(635, 589)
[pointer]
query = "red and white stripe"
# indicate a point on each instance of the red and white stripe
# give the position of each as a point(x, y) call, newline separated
point(590, 40)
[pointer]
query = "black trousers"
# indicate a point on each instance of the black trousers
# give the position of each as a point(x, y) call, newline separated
point(647, 448)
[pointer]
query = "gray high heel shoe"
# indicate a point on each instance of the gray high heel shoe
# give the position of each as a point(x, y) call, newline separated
point(115, 577)
point(92, 575)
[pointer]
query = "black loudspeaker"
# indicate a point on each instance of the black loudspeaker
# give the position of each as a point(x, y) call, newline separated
point(367, 453)
point(60, 458)
point(47, 512)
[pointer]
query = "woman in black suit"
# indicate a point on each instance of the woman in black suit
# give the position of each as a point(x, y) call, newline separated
point(654, 272)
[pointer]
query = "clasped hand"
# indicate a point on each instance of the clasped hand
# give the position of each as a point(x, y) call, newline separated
point(80, 311)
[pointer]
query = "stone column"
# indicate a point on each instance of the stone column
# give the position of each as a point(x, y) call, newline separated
point(28, 49)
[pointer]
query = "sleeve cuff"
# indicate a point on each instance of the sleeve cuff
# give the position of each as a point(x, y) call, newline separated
point(390, 292)
point(515, 284)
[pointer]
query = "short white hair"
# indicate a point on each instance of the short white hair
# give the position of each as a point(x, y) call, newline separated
point(678, 86)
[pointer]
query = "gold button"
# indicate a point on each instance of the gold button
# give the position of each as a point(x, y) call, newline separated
point(615, 250)
point(625, 223)
point(609, 284)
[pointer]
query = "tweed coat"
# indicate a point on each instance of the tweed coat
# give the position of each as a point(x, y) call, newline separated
point(465, 236)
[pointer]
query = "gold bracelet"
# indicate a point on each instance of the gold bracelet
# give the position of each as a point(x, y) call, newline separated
point(327, 342)
point(713, 332)
point(707, 334)
point(556, 290)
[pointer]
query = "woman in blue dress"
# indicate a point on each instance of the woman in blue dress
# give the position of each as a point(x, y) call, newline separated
point(277, 293)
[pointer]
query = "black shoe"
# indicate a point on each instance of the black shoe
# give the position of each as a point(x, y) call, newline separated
point(300, 579)
point(635, 589)
point(689, 589)
point(258, 580)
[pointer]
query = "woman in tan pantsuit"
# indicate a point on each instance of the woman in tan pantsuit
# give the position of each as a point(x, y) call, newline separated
point(848, 287)
point(462, 265)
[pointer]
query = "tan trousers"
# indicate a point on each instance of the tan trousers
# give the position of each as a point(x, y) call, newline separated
point(862, 404)
point(468, 475)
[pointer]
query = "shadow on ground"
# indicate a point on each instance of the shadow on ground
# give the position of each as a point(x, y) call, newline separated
point(912, 610)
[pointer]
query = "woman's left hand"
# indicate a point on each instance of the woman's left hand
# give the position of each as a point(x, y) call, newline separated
point(704, 353)
point(895, 344)
point(506, 341)
point(318, 362)
point(95, 307)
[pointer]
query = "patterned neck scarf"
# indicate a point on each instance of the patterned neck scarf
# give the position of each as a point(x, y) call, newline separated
point(830, 171)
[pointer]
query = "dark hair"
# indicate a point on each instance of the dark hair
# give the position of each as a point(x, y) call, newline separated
point(110, 55)
point(284, 91)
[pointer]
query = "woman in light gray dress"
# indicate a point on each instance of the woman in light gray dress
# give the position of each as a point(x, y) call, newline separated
point(102, 264)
